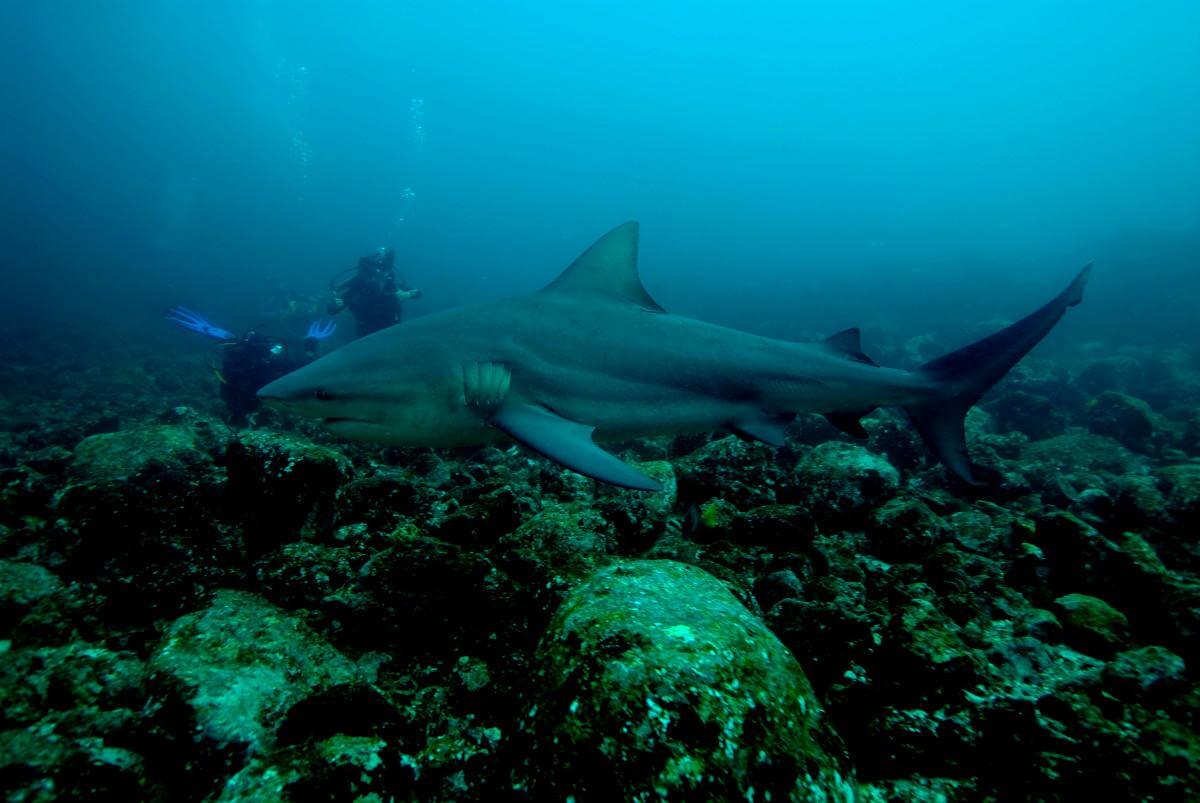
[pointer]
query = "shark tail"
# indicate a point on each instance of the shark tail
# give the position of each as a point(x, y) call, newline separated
point(961, 377)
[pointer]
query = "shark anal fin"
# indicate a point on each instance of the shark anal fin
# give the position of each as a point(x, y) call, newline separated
point(485, 384)
point(848, 343)
point(849, 423)
point(769, 429)
point(568, 443)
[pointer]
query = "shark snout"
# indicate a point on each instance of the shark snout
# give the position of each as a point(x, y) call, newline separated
point(275, 392)
point(289, 390)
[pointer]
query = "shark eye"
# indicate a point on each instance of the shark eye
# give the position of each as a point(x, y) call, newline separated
point(322, 395)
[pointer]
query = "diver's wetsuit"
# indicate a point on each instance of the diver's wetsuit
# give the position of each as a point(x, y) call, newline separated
point(371, 294)
point(254, 360)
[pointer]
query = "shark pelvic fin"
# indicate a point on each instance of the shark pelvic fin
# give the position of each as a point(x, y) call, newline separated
point(568, 443)
point(848, 342)
point(769, 429)
point(608, 268)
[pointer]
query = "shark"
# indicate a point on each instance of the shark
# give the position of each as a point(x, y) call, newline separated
point(592, 357)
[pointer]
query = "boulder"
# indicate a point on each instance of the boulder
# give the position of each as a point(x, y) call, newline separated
point(565, 541)
point(1151, 671)
point(80, 678)
point(283, 487)
point(1030, 413)
point(1091, 624)
point(740, 471)
point(363, 768)
point(130, 454)
point(844, 480)
point(1183, 493)
point(904, 528)
point(1126, 419)
point(22, 585)
point(654, 681)
point(637, 516)
point(139, 519)
point(1118, 373)
point(241, 664)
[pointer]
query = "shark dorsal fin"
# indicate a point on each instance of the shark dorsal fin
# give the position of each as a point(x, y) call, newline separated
point(608, 268)
point(849, 343)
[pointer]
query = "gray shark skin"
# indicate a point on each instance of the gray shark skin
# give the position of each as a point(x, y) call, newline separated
point(592, 356)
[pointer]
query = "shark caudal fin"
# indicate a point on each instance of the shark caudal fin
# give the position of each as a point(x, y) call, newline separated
point(963, 376)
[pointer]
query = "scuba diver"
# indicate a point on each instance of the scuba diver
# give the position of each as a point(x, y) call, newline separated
point(254, 359)
point(373, 294)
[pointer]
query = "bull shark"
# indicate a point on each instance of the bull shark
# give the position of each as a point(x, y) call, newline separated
point(593, 357)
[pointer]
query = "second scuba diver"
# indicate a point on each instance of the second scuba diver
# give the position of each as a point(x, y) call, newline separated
point(373, 294)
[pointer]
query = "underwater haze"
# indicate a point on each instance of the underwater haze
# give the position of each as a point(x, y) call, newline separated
point(794, 167)
point(280, 521)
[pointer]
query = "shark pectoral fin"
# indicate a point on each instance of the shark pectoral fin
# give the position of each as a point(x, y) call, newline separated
point(568, 443)
point(849, 423)
point(770, 429)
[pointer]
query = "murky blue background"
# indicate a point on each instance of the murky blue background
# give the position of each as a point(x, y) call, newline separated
point(796, 167)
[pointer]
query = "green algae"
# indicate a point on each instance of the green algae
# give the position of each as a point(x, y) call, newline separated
point(242, 663)
point(654, 670)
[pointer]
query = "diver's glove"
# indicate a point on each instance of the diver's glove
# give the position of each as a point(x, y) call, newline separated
point(319, 330)
point(190, 320)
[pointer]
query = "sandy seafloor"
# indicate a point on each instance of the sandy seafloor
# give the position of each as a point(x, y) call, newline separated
point(194, 611)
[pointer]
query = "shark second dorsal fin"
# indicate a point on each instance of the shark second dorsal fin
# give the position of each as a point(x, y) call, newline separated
point(848, 342)
point(608, 268)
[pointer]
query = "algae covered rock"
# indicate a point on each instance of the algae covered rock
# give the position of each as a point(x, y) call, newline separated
point(139, 518)
point(655, 681)
point(431, 596)
point(729, 468)
point(241, 664)
point(38, 764)
point(338, 768)
point(843, 478)
point(1124, 418)
point(1148, 670)
point(905, 528)
point(23, 585)
point(1183, 496)
point(79, 675)
point(639, 517)
point(558, 540)
point(131, 453)
point(283, 486)
point(1092, 624)
point(78, 708)
point(1120, 373)
point(1035, 415)
point(1078, 454)
point(924, 650)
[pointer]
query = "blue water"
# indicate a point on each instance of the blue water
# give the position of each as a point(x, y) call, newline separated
point(796, 168)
